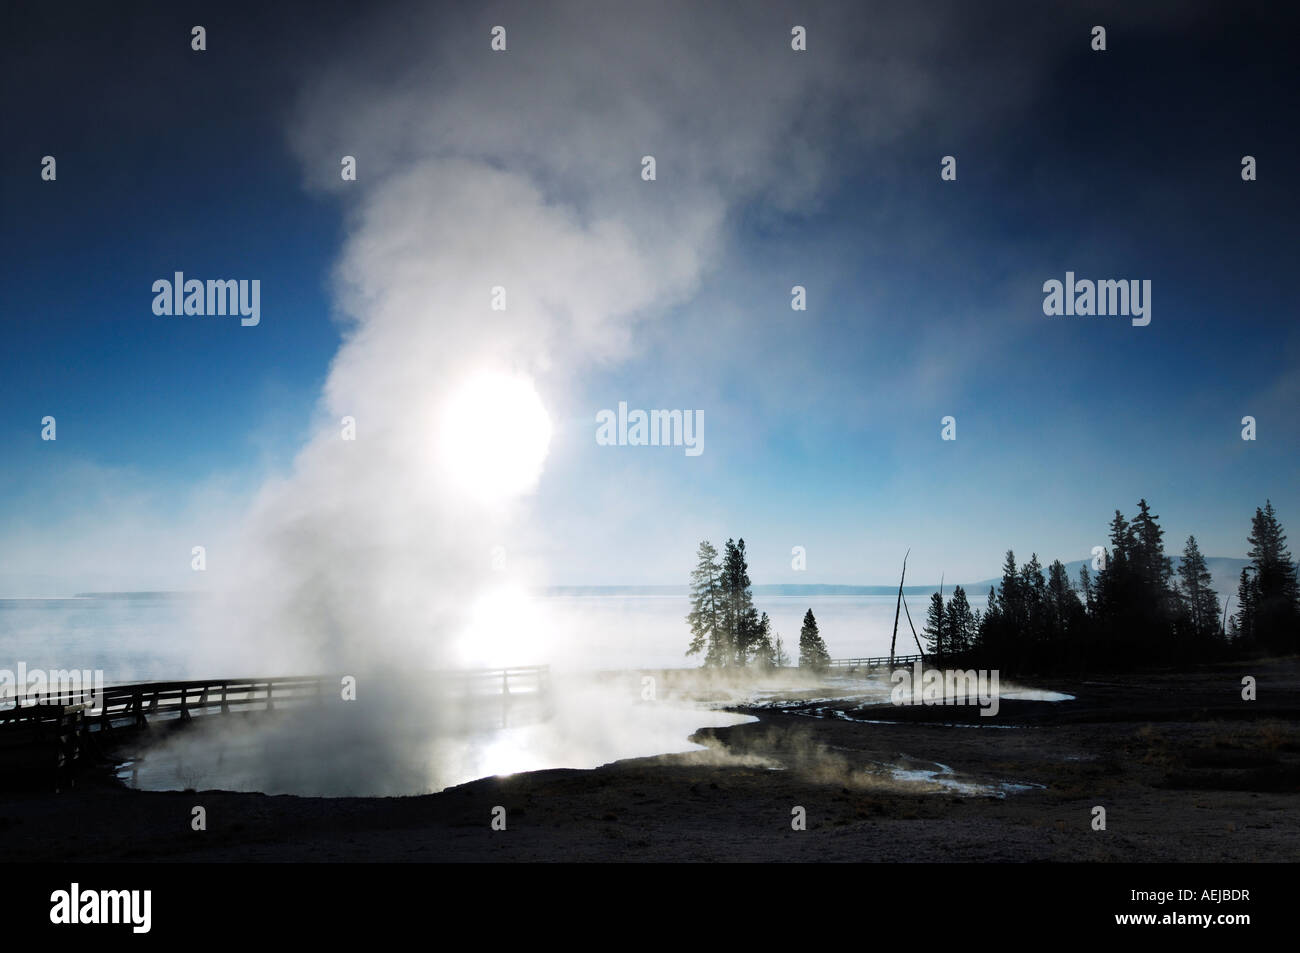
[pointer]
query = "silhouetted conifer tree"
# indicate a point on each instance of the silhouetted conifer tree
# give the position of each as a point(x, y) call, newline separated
point(960, 624)
point(705, 617)
point(1201, 602)
point(812, 650)
point(1273, 589)
point(935, 622)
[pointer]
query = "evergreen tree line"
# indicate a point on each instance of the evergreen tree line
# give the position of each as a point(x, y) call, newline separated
point(727, 629)
point(1134, 610)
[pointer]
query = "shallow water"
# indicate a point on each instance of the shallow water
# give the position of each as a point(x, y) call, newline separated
point(847, 690)
point(942, 779)
point(302, 753)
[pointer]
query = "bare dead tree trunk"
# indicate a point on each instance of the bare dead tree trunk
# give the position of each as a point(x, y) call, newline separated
point(897, 606)
point(909, 622)
point(938, 645)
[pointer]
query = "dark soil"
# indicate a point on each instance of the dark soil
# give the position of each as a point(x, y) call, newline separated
point(1185, 769)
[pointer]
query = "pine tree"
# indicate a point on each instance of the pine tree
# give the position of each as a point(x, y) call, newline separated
point(1085, 587)
point(990, 625)
point(960, 624)
point(1033, 589)
point(1276, 609)
point(1122, 540)
point(705, 617)
point(739, 617)
point(780, 657)
point(934, 626)
point(1202, 602)
point(1137, 606)
point(812, 650)
point(1243, 621)
point(1011, 600)
point(1113, 588)
point(764, 650)
point(1064, 610)
point(1153, 566)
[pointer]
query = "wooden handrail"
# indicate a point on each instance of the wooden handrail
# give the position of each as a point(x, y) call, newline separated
point(874, 662)
point(157, 697)
point(59, 728)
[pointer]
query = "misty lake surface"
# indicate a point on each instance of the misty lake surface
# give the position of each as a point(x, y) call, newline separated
point(649, 631)
point(141, 639)
point(129, 639)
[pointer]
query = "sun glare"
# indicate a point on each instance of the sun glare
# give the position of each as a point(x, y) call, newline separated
point(494, 436)
point(506, 626)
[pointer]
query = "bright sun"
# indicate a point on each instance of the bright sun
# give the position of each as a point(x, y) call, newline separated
point(494, 435)
point(506, 626)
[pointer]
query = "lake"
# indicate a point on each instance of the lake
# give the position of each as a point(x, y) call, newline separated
point(138, 639)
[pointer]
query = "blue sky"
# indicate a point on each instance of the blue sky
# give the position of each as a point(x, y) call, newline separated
point(822, 428)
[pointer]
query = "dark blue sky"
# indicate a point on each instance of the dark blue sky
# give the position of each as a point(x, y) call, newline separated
point(823, 427)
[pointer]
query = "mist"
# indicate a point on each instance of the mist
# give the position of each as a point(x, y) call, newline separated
point(390, 546)
point(392, 552)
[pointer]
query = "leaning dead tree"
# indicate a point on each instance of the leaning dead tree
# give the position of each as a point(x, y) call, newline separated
point(901, 604)
point(915, 637)
point(894, 638)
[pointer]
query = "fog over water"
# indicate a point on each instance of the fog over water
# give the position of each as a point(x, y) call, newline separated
point(145, 639)
point(597, 710)
point(331, 751)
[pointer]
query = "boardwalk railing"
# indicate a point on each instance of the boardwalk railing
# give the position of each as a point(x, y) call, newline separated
point(186, 698)
point(878, 661)
point(54, 730)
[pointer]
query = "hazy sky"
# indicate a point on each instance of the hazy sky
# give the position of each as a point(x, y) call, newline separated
point(775, 168)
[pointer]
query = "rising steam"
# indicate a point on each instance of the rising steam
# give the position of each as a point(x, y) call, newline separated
point(517, 170)
point(521, 171)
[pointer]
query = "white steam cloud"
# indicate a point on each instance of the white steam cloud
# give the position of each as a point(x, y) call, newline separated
point(518, 170)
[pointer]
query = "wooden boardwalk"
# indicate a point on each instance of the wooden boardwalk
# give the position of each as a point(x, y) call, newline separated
point(55, 732)
point(877, 661)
